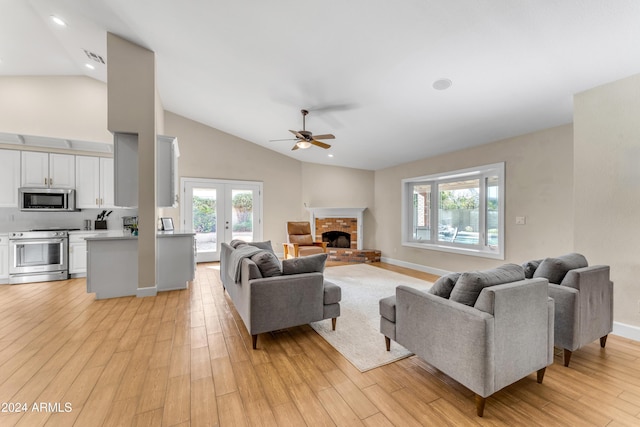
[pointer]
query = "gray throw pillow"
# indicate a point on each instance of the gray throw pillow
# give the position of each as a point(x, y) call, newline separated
point(266, 245)
point(554, 269)
point(268, 263)
point(304, 264)
point(471, 283)
point(530, 267)
point(444, 285)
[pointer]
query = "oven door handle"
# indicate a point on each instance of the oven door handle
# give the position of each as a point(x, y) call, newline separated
point(37, 242)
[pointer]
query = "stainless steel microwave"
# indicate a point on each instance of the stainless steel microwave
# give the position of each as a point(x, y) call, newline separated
point(47, 199)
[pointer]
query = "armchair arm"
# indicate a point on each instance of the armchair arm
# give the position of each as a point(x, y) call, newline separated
point(291, 250)
point(592, 315)
point(321, 244)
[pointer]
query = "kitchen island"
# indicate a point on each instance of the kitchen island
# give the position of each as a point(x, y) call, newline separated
point(112, 263)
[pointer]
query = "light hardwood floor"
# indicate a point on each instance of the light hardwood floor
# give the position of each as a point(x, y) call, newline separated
point(184, 358)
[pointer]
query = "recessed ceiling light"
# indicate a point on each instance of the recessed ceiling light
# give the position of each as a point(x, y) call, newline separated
point(442, 84)
point(89, 66)
point(330, 155)
point(58, 21)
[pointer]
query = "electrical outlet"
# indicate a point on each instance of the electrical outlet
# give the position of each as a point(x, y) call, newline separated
point(521, 220)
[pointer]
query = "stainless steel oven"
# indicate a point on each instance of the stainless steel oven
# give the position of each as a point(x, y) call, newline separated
point(38, 256)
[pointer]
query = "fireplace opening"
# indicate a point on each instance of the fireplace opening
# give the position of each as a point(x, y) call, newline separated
point(337, 239)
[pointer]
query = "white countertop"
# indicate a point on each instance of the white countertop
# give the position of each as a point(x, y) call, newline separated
point(125, 235)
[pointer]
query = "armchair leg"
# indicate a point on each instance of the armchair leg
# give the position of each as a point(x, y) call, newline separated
point(567, 357)
point(603, 341)
point(254, 339)
point(541, 375)
point(387, 342)
point(333, 323)
point(480, 401)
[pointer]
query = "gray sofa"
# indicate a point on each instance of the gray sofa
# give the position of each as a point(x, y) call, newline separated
point(583, 298)
point(294, 293)
point(484, 329)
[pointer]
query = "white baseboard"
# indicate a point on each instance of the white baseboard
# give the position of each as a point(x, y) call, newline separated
point(150, 291)
point(627, 331)
point(413, 266)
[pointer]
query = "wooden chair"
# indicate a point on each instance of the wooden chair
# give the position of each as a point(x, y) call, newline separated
point(300, 241)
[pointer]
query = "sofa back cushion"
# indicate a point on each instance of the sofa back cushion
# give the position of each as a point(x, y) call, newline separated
point(306, 264)
point(301, 239)
point(444, 285)
point(554, 269)
point(268, 263)
point(471, 283)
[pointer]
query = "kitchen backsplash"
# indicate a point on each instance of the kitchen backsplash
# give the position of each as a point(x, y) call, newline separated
point(13, 219)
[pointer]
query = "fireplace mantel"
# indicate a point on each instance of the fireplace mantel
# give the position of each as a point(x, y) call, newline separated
point(357, 213)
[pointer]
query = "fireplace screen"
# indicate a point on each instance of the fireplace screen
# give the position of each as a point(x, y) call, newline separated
point(337, 239)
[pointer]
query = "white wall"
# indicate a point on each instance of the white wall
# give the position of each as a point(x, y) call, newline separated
point(539, 186)
point(607, 187)
point(69, 107)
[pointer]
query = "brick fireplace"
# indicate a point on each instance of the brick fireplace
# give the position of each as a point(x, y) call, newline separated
point(342, 229)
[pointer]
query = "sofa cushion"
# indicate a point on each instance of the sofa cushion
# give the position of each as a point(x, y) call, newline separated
point(530, 267)
point(471, 283)
point(266, 245)
point(554, 269)
point(444, 285)
point(301, 239)
point(306, 264)
point(268, 263)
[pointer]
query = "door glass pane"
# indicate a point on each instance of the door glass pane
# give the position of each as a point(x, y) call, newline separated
point(422, 212)
point(242, 215)
point(204, 219)
point(459, 212)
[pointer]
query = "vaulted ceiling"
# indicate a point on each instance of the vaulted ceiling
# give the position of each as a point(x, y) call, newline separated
point(365, 69)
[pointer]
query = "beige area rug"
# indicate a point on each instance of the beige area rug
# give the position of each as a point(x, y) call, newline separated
point(357, 336)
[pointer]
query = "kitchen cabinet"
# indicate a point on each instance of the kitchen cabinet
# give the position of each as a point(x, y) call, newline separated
point(126, 170)
point(9, 178)
point(48, 170)
point(78, 249)
point(176, 262)
point(94, 182)
point(4, 258)
point(167, 171)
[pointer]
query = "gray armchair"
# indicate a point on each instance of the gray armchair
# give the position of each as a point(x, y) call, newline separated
point(583, 298)
point(487, 345)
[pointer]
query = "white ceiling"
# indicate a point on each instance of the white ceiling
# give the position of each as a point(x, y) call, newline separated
point(364, 68)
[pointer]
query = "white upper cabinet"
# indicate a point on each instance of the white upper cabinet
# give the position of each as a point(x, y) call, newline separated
point(9, 178)
point(48, 170)
point(94, 182)
point(126, 170)
point(167, 171)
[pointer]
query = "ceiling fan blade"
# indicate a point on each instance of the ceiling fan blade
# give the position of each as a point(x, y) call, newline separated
point(286, 139)
point(320, 144)
point(295, 147)
point(325, 136)
point(297, 134)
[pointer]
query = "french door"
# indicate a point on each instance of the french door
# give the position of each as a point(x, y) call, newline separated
point(220, 211)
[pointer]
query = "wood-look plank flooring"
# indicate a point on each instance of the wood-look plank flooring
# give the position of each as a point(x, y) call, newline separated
point(184, 358)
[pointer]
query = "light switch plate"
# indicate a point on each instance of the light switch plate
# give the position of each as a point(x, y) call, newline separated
point(521, 220)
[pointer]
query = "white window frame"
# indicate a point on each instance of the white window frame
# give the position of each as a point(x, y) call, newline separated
point(480, 250)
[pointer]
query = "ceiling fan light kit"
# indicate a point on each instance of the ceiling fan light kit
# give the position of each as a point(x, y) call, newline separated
point(305, 139)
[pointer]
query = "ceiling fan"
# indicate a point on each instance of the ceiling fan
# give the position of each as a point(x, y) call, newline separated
point(305, 139)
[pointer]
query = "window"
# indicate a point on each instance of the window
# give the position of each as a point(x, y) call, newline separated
point(460, 211)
